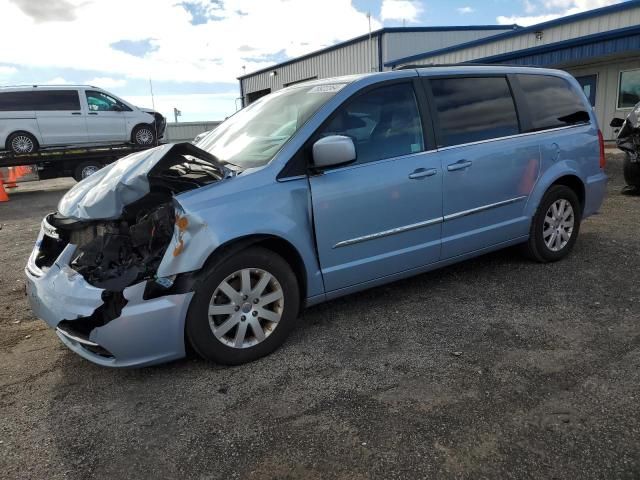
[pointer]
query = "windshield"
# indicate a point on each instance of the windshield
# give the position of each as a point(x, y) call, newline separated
point(252, 137)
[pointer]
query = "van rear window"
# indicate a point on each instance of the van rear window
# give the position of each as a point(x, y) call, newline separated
point(551, 102)
point(45, 100)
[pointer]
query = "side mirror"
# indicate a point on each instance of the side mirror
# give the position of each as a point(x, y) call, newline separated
point(616, 122)
point(333, 150)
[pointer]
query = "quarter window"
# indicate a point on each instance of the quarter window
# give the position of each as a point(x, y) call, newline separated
point(16, 101)
point(474, 109)
point(551, 102)
point(383, 123)
point(629, 89)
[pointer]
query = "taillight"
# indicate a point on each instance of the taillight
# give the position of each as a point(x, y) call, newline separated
point(603, 160)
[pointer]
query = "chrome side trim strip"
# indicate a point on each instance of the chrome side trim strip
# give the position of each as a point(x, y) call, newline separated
point(471, 211)
point(386, 233)
point(517, 135)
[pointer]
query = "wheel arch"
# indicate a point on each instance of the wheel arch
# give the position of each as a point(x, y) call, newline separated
point(36, 136)
point(574, 183)
point(139, 124)
point(276, 244)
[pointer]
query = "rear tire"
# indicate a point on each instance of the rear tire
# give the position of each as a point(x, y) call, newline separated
point(243, 308)
point(21, 143)
point(555, 226)
point(631, 172)
point(144, 135)
point(86, 169)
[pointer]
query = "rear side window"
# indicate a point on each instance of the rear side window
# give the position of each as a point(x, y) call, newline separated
point(551, 102)
point(474, 109)
point(16, 101)
point(383, 123)
point(56, 100)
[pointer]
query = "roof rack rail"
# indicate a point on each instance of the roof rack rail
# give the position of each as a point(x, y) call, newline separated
point(38, 85)
point(462, 64)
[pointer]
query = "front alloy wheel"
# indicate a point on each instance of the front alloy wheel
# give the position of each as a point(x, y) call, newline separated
point(246, 308)
point(243, 307)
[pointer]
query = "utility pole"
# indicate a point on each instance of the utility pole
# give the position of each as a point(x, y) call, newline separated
point(176, 113)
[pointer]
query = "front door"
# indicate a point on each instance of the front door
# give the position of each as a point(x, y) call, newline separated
point(488, 173)
point(105, 118)
point(382, 214)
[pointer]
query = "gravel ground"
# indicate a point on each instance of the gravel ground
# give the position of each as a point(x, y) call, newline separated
point(547, 384)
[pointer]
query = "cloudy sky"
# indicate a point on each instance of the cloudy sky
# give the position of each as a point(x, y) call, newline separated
point(194, 49)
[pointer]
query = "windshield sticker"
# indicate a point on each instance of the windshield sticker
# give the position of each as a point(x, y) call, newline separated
point(330, 88)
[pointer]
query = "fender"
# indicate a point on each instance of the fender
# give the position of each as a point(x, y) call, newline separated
point(548, 178)
point(224, 218)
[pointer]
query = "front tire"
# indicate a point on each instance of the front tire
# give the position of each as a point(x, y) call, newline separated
point(631, 172)
point(244, 308)
point(144, 135)
point(21, 143)
point(555, 226)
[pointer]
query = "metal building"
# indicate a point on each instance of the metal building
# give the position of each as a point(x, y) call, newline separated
point(600, 47)
point(367, 53)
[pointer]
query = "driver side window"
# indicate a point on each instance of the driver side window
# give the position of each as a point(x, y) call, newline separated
point(383, 123)
point(101, 102)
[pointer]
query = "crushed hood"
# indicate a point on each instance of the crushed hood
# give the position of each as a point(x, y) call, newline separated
point(171, 168)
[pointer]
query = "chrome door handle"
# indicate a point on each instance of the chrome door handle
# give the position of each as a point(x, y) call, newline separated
point(422, 173)
point(459, 165)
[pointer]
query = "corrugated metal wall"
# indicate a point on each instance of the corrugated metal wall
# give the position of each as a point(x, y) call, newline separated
point(358, 57)
point(403, 44)
point(186, 131)
point(601, 23)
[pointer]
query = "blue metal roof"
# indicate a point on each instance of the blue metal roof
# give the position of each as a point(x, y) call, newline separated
point(381, 31)
point(590, 46)
point(533, 28)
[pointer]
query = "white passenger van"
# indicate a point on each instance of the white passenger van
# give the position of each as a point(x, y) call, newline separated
point(42, 116)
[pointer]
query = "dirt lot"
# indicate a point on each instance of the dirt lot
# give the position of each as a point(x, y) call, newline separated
point(547, 384)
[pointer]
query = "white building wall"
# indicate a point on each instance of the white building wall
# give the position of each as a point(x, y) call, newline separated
point(607, 89)
point(186, 131)
point(579, 28)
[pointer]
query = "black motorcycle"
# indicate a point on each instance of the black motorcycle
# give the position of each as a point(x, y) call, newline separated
point(628, 140)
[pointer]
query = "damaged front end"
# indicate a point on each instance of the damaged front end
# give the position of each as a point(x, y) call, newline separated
point(93, 272)
point(628, 138)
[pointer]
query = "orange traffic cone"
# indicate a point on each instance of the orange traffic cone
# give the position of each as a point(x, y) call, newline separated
point(11, 181)
point(3, 194)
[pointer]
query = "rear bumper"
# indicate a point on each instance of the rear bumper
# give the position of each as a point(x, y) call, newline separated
point(146, 332)
point(595, 191)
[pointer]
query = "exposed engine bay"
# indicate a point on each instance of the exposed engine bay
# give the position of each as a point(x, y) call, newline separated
point(628, 140)
point(113, 254)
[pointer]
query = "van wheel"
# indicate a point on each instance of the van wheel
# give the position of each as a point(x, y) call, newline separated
point(244, 308)
point(22, 142)
point(86, 169)
point(631, 172)
point(144, 135)
point(555, 226)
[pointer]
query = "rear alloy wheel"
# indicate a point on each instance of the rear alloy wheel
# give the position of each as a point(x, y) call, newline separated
point(144, 135)
point(555, 226)
point(631, 171)
point(22, 142)
point(244, 309)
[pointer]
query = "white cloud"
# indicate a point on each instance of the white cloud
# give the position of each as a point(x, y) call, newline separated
point(55, 81)
point(400, 10)
point(211, 52)
point(6, 71)
point(465, 10)
point(107, 82)
point(545, 10)
point(194, 107)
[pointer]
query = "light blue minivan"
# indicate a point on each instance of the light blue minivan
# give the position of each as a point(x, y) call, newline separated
point(310, 193)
